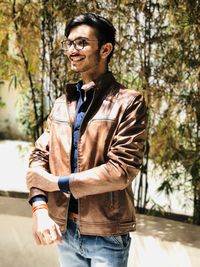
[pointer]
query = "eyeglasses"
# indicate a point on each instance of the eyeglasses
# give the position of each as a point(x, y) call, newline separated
point(78, 43)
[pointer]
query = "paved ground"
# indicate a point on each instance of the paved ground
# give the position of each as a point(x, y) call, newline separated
point(158, 242)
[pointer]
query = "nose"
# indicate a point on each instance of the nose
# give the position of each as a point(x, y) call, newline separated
point(73, 48)
point(71, 51)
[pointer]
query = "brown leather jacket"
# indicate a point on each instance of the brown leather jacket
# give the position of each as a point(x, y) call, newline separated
point(110, 151)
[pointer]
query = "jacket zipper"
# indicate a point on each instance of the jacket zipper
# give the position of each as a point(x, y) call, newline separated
point(71, 141)
point(111, 200)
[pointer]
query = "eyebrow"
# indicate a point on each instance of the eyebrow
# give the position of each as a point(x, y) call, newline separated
point(80, 37)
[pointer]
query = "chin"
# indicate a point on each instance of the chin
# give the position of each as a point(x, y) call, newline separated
point(75, 68)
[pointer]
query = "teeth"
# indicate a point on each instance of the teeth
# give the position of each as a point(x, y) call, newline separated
point(76, 59)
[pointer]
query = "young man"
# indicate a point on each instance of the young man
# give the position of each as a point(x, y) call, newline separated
point(83, 164)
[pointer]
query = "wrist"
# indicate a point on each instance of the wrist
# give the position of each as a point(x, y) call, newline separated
point(39, 206)
point(40, 214)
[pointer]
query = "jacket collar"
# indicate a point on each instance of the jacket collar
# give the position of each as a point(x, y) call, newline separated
point(100, 84)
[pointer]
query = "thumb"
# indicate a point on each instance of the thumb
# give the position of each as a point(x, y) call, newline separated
point(59, 234)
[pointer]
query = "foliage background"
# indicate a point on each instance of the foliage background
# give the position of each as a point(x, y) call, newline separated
point(157, 52)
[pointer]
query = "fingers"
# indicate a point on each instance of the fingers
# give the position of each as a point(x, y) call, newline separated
point(53, 233)
point(58, 233)
point(43, 238)
point(37, 239)
point(48, 236)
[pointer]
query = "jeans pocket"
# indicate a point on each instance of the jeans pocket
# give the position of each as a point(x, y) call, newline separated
point(122, 240)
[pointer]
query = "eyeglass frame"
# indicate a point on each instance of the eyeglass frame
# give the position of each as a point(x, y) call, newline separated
point(84, 39)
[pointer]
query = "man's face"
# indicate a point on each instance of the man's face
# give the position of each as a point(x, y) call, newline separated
point(87, 59)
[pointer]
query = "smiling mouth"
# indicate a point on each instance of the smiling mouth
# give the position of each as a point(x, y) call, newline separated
point(76, 58)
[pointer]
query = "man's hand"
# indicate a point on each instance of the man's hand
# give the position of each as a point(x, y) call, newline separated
point(45, 230)
point(38, 177)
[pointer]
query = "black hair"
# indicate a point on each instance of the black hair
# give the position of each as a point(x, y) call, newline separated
point(105, 31)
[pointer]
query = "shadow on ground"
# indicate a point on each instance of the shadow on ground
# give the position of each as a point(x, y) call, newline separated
point(169, 230)
point(157, 242)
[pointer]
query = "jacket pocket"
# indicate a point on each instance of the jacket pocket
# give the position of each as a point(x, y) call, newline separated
point(113, 200)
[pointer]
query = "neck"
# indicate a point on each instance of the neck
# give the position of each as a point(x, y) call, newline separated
point(91, 76)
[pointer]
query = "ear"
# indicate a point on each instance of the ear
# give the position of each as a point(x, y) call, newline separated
point(106, 49)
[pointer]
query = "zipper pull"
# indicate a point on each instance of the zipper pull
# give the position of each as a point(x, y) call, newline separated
point(84, 98)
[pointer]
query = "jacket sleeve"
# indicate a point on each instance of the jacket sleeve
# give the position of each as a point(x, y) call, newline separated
point(124, 156)
point(40, 158)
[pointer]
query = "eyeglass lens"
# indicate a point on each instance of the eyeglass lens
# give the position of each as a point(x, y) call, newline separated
point(77, 44)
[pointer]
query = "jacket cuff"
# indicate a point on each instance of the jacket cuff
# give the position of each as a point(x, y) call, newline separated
point(36, 192)
point(63, 183)
point(38, 198)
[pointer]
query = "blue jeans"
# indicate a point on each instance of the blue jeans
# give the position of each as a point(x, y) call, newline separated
point(92, 251)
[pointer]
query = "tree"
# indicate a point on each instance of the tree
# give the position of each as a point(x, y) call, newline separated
point(175, 138)
point(157, 52)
